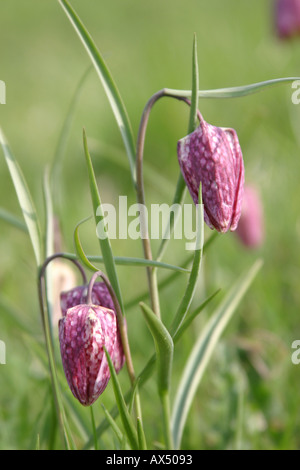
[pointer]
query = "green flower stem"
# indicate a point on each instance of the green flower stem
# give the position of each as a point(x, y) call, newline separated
point(94, 428)
point(151, 272)
point(165, 401)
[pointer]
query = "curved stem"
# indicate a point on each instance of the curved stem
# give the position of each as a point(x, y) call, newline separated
point(64, 256)
point(151, 272)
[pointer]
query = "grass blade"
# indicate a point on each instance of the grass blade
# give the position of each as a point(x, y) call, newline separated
point(25, 199)
point(195, 87)
point(79, 250)
point(12, 220)
point(105, 246)
point(202, 352)
point(186, 323)
point(126, 261)
point(113, 425)
point(192, 282)
point(108, 83)
point(49, 245)
point(164, 348)
point(119, 260)
point(123, 410)
point(164, 358)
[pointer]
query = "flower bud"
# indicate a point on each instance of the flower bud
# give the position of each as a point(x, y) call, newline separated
point(101, 297)
point(287, 18)
point(84, 330)
point(212, 156)
point(251, 225)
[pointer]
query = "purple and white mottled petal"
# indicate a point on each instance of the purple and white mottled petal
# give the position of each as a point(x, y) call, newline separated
point(212, 156)
point(100, 297)
point(83, 332)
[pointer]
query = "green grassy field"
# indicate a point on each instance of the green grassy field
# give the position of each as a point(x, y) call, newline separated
point(248, 396)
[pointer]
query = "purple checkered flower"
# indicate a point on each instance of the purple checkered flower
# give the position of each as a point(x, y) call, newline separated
point(212, 156)
point(100, 296)
point(84, 330)
point(287, 18)
point(86, 327)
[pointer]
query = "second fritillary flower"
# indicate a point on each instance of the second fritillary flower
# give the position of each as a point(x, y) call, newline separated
point(212, 156)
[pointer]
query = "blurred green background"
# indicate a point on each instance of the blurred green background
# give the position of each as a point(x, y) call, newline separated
point(148, 46)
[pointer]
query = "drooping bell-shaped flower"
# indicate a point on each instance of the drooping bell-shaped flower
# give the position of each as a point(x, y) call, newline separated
point(100, 296)
point(250, 230)
point(84, 331)
point(287, 18)
point(212, 156)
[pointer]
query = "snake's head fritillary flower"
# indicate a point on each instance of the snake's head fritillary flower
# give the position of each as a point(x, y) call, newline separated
point(212, 156)
point(84, 331)
point(287, 18)
point(251, 225)
point(101, 297)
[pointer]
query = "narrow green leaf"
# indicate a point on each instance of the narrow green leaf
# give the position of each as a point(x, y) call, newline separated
point(232, 92)
point(195, 87)
point(12, 220)
point(79, 250)
point(49, 244)
point(113, 425)
point(119, 260)
point(186, 323)
point(108, 83)
point(202, 352)
point(25, 199)
point(164, 359)
point(141, 434)
point(178, 199)
point(105, 245)
point(126, 261)
point(164, 348)
point(193, 278)
point(123, 410)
